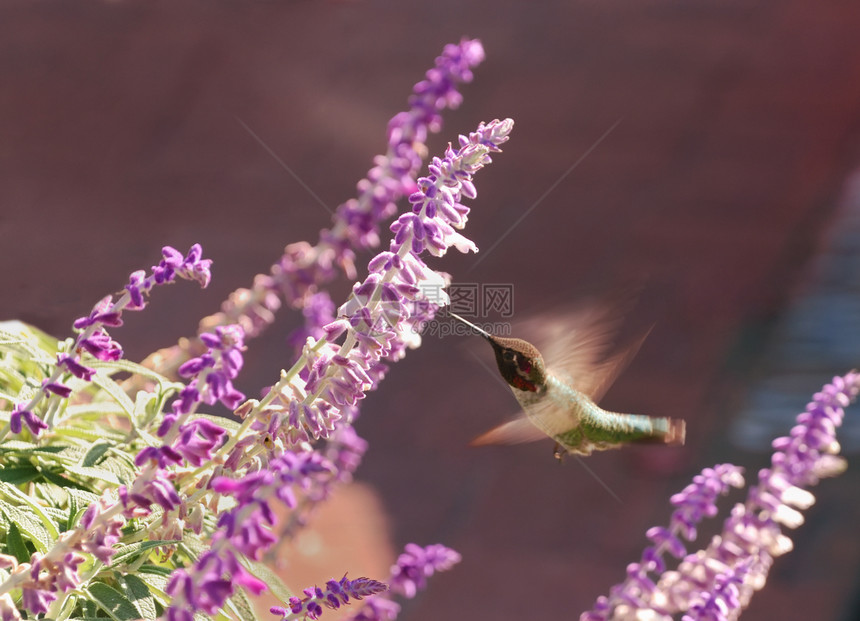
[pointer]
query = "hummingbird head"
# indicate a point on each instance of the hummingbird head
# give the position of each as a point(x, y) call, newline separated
point(519, 362)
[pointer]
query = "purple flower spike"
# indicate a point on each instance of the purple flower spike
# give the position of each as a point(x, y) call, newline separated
point(408, 576)
point(716, 583)
point(698, 500)
point(246, 528)
point(194, 366)
point(323, 394)
point(416, 564)
point(220, 388)
point(695, 502)
point(407, 295)
point(336, 594)
point(303, 270)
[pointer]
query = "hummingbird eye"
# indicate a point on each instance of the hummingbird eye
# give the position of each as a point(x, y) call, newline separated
point(509, 356)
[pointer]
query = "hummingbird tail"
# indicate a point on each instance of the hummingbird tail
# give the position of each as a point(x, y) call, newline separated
point(676, 432)
point(668, 431)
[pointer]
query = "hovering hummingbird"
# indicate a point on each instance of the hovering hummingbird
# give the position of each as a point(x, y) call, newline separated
point(560, 401)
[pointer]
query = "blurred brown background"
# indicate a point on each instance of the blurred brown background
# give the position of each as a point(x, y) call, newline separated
point(121, 130)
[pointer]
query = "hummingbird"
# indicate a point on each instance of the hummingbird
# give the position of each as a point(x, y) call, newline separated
point(560, 400)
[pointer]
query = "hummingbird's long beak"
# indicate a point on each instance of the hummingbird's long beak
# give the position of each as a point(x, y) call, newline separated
point(481, 332)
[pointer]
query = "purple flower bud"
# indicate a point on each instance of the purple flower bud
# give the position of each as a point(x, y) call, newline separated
point(36, 600)
point(195, 365)
point(188, 398)
point(198, 440)
point(136, 287)
point(336, 594)
point(191, 267)
point(221, 389)
point(164, 494)
point(100, 345)
point(163, 456)
point(101, 314)
point(72, 365)
point(58, 389)
point(33, 422)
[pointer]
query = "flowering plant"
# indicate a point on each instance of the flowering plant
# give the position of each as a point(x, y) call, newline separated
point(717, 582)
point(122, 498)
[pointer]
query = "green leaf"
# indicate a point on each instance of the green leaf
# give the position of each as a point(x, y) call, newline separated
point(94, 410)
point(83, 497)
point(95, 473)
point(145, 406)
point(156, 570)
point(115, 604)
point(90, 434)
point(30, 525)
point(121, 463)
point(103, 380)
point(125, 553)
point(193, 545)
point(118, 468)
point(15, 544)
point(35, 509)
point(94, 455)
point(241, 606)
point(73, 511)
point(17, 447)
point(32, 343)
point(17, 475)
point(63, 482)
point(58, 516)
point(272, 580)
point(227, 423)
point(156, 578)
point(115, 366)
point(137, 591)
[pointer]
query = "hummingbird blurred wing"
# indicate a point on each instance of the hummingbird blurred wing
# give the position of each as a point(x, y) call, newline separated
point(575, 342)
point(516, 431)
point(595, 378)
point(540, 419)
